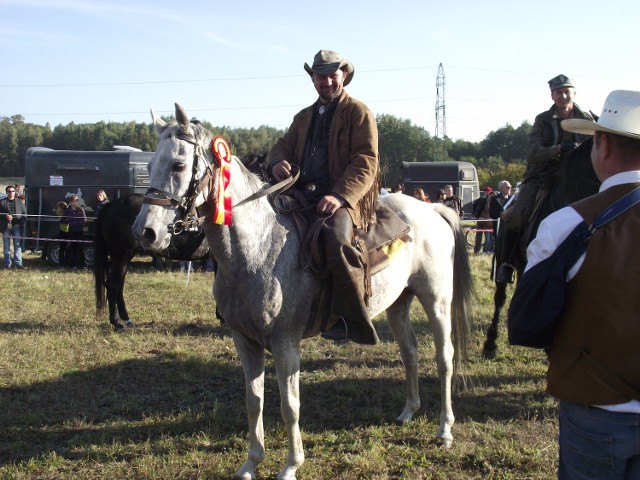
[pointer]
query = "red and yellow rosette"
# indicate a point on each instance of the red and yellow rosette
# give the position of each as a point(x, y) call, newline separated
point(222, 152)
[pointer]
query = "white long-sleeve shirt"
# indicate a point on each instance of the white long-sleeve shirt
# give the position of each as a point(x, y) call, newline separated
point(554, 229)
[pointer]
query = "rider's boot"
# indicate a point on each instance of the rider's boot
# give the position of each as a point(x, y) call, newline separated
point(346, 265)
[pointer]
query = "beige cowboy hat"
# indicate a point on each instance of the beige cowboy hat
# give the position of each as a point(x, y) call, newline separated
point(327, 61)
point(620, 115)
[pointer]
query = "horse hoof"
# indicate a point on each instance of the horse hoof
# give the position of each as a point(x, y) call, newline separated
point(489, 354)
point(445, 442)
point(129, 323)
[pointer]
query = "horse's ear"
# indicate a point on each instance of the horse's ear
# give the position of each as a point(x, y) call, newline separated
point(182, 118)
point(158, 123)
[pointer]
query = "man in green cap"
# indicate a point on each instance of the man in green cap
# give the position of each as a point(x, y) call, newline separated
point(334, 142)
point(548, 144)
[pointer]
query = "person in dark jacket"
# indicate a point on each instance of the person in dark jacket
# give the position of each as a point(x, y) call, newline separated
point(452, 201)
point(548, 144)
point(75, 217)
point(13, 216)
point(499, 200)
point(481, 212)
point(101, 201)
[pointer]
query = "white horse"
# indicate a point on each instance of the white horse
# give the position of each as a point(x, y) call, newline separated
point(267, 299)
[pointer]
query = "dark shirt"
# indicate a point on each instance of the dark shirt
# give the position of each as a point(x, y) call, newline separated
point(496, 205)
point(315, 165)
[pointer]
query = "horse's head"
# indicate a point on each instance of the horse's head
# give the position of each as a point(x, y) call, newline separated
point(179, 172)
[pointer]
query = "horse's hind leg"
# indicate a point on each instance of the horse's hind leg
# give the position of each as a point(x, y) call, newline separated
point(115, 288)
point(252, 359)
point(438, 310)
point(499, 298)
point(400, 325)
point(122, 308)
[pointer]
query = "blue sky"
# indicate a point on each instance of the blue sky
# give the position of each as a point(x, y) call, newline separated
point(240, 63)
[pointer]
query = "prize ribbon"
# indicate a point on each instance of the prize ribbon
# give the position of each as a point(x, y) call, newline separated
point(222, 152)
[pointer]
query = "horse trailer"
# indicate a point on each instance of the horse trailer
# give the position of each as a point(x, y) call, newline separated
point(54, 175)
point(432, 176)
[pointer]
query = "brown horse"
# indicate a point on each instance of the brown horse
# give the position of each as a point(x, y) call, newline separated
point(576, 180)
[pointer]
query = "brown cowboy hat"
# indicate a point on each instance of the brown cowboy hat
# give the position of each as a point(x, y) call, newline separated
point(327, 61)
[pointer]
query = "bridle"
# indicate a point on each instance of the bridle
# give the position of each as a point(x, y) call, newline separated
point(191, 221)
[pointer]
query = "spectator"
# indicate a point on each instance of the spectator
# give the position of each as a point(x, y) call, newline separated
point(399, 188)
point(484, 226)
point(13, 216)
point(420, 195)
point(63, 233)
point(442, 195)
point(453, 201)
point(594, 363)
point(498, 201)
point(19, 192)
point(101, 201)
point(76, 218)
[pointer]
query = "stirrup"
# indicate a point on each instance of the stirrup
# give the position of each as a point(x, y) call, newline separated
point(339, 332)
point(505, 274)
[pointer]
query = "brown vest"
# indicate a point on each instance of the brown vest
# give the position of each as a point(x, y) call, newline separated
point(597, 343)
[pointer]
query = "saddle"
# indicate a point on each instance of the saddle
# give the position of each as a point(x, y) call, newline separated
point(384, 238)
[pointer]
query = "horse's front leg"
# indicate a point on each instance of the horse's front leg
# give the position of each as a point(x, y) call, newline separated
point(252, 358)
point(286, 356)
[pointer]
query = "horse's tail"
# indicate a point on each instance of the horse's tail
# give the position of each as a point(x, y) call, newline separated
point(100, 264)
point(462, 286)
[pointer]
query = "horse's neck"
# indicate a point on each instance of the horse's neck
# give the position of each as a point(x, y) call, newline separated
point(250, 239)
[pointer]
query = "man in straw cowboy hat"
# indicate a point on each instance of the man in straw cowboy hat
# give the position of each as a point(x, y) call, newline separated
point(594, 366)
point(548, 144)
point(334, 142)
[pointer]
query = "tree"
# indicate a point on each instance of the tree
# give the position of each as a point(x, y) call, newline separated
point(507, 142)
point(401, 141)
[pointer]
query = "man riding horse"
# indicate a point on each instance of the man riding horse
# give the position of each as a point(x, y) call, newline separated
point(548, 143)
point(334, 142)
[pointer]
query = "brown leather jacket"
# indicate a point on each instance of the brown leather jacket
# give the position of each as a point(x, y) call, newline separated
point(353, 154)
point(596, 343)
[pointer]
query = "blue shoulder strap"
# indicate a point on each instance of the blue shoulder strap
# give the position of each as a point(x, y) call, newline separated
point(616, 209)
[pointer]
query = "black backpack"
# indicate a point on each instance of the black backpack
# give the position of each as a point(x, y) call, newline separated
point(538, 301)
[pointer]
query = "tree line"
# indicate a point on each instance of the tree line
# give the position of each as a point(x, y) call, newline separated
point(500, 155)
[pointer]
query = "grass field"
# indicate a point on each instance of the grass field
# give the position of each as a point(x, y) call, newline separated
point(165, 400)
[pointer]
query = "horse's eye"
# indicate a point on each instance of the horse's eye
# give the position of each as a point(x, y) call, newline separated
point(179, 167)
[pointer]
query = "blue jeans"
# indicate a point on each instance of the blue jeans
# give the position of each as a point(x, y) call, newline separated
point(488, 242)
point(14, 231)
point(598, 444)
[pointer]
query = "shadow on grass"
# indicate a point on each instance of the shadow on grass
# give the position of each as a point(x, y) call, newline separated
point(167, 396)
